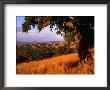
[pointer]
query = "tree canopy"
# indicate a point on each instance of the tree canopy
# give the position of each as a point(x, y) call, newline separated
point(67, 26)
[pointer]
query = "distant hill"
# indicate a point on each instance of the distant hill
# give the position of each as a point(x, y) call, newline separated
point(49, 42)
point(38, 37)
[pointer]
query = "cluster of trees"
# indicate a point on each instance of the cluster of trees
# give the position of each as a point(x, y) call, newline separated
point(39, 53)
point(68, 27)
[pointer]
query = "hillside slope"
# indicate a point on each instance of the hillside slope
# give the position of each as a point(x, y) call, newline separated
point(65, 64)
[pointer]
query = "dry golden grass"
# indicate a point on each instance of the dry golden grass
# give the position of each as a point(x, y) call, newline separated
point(65, 64)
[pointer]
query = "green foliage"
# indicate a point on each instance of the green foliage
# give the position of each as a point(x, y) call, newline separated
point(39, 53)
point(67, 26)
point(69, 37)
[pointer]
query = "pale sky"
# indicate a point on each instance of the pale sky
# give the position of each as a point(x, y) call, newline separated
point(34, 35)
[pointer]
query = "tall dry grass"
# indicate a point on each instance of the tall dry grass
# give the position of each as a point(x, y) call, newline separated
point(65, 64)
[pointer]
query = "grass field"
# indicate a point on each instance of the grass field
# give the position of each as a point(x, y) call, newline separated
point(64, 64)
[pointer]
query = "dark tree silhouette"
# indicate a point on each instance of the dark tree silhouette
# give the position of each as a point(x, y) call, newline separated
point(68, 26)
point(87, 36)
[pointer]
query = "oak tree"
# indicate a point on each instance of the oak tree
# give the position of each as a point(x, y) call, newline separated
point(68, 27)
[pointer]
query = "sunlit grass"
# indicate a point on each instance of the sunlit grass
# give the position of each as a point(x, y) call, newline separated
point(64, 64)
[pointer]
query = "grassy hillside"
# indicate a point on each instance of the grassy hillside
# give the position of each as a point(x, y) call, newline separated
point(64, 64)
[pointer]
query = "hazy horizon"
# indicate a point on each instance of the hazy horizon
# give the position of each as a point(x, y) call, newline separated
point(33, 35)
